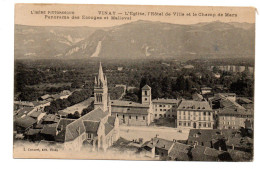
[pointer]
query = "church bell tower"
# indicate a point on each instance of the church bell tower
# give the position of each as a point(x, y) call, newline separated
point(100, 90)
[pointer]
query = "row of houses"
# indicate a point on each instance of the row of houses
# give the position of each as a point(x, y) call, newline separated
point(233, 68)
point(201, 145)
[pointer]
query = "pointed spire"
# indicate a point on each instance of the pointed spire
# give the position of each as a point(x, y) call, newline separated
point(100, 74)
point(95, 80)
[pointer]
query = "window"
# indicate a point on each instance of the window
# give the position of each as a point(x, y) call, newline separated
point(184, 113)
point(204, 113)
point(204, 124)
point(164, 109)
point(129, 117)
point(145, 99)
point(184, 124)
point(123, 116)
point(209, 124)
point(145, 92)
point(209, 113)
point(89, 135)
point(155, 109)
point(160, 105)
point(188, 123)
point(143, 117)
point(136, 117)
point(160, 115)
point(163, 105)
point(179, 123)
point(169, 115)
point(164, 115)
point(160, 109)
point(209, 118)
point(155, 115)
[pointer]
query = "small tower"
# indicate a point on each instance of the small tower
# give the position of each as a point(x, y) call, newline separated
point(100, 90)
point(146, 95)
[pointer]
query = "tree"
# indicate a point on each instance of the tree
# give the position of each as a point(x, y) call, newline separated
point(88, 109)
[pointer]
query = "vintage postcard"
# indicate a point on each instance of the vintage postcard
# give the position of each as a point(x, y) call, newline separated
point(132, 82)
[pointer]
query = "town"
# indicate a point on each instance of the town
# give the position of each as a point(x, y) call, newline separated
point(198, 110)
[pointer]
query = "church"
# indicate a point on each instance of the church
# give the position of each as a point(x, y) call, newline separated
point(97, 130)
point(127, 112)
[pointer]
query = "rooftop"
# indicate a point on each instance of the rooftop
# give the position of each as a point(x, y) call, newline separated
point(95, 115)
point(25, 122)
point(146, 87)
point(194, 105)
point(162, 100)
point(130, 110)
point(122, 103)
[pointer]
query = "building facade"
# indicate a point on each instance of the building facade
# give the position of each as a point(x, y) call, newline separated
point(195, 114)
point(165, 108)
point(132, 113)
point(234, 118)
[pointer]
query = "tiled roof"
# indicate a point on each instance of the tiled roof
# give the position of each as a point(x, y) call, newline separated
point(194, 105)
point(201, 135)
point(111, 120)
point(74, 130)
point(108, 128)
point(234, 111)
point(23, 111)
point(180, 152)
point(201, 153)
point(227, 103)
point(51, 118)
point(160, 143)
point(239, 155)
point(31, 132)
point(95, 115)
point(122, 103)
point(162, 100)
point(25, 122)
point(49, 129)
point(130, 110)
point(63, 123)
point(35, 114)
point(24, 103)
point(91, 126)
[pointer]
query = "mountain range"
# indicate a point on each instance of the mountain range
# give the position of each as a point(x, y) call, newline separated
point(140, 39)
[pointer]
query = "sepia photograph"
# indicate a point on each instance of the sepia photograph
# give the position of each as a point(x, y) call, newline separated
point(134, 82)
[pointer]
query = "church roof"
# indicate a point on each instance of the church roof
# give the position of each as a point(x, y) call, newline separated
point(108, 128)
point(74, 130)
point(122, 103)
point(95, 115)
point(130, 110)
point(91, 126)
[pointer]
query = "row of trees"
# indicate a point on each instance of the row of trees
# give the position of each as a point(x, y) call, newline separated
point(74, 98)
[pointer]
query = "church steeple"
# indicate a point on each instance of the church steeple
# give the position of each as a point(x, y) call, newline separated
point(100, 90)
point(101, 79)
